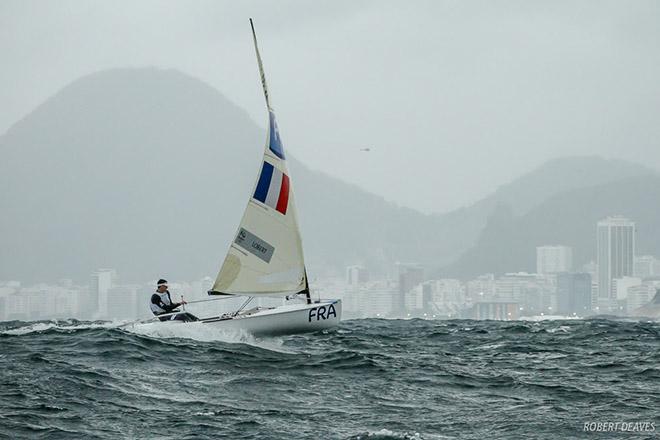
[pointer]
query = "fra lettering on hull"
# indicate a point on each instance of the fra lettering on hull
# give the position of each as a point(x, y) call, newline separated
point(322, 312)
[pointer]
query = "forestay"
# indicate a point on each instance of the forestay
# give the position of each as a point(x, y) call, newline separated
point(266, 256)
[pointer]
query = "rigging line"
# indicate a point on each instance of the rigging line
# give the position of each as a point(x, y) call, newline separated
point(211, 299)
point(243, 306)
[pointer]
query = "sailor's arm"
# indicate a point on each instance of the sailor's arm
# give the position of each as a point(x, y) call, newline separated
point(174, 304)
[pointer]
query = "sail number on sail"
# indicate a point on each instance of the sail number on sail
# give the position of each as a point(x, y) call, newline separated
point(254, 245)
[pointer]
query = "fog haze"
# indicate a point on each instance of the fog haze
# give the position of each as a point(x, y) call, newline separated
point(482, 91)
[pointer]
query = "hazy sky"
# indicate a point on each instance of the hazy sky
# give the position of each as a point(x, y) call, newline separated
point(453, 97)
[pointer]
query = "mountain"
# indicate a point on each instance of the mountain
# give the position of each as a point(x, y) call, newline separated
point(557, 176)
point(148, 171)
point(459, 230)
point(508, 242)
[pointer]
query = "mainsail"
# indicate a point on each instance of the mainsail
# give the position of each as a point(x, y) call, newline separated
point(266, 256)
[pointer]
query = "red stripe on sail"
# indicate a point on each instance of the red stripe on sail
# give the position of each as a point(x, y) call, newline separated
point(283, 200)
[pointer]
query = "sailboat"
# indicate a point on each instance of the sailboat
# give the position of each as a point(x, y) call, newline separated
point(266, 256)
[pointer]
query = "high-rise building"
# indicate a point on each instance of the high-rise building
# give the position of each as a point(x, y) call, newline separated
point(616, 254)
point(414, 301)
point(496, 310)
point(356, 275)
point(621, 285)
point(594, 294)
point(101, 282)
point(480, 288)
point(410, 275)
point(374, 301)
point(554, 259)
point(620, 288)
point(17, 307)
point(448, 298)
point(534, 293)
point(573, 294)
point(379, 302)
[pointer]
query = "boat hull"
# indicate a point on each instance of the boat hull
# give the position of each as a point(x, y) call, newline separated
point(284, 320)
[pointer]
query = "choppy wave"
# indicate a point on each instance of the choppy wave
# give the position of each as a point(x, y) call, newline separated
point(370, 379)
point(63, 326)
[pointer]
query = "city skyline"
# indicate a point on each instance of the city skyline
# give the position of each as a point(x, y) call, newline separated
point(554, 290)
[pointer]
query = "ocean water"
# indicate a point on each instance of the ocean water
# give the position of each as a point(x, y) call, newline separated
point(370, 379)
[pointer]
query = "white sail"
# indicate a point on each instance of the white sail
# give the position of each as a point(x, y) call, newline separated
point(266, 256)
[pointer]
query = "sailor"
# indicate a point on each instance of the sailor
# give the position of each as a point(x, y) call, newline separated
point(161, 302)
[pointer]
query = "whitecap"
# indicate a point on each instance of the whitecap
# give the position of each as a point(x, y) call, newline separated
point(60, 325)
point(489, 346)
point(198, 331)
point(386, 434)
point(561, 328)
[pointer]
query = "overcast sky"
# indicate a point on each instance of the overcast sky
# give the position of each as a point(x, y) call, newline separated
point(452, 97)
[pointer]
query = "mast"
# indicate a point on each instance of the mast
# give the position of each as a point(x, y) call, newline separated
point(261, 66)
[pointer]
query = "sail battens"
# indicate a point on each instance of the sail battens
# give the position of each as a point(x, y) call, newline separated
point(258, 205)
point(271, 157)
point(233, 246)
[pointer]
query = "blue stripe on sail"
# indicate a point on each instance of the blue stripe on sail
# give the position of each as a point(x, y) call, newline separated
point(264, 182)
point(275, 143)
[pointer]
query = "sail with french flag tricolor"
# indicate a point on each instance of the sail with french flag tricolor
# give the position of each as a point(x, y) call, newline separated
point(273, 188)
point(266, 255)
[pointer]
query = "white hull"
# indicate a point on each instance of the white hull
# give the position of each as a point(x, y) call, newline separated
point(283, 320)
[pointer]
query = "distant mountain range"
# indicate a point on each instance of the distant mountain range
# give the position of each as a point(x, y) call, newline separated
point(479, 233)
point(508, 242)
point(148, 171)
